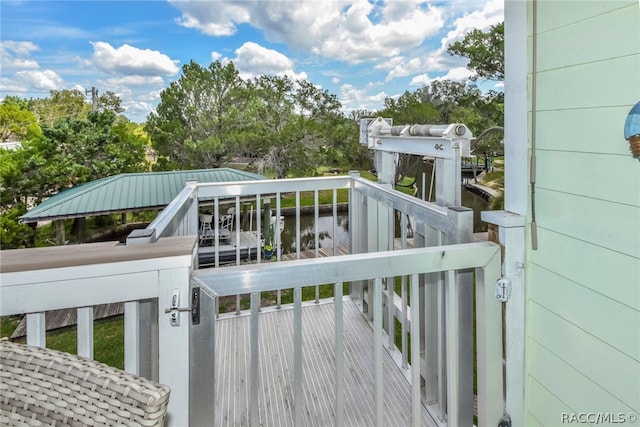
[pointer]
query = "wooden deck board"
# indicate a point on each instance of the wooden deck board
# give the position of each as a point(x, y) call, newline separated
point(276, 371)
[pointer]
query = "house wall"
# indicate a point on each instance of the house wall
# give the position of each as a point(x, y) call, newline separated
point(582, 340)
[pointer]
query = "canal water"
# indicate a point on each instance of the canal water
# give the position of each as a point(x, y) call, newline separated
point(325, 222)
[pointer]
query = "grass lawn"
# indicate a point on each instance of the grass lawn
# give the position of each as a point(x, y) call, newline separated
point(108, 338)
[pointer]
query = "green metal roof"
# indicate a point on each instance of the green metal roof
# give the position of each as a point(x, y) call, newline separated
point(127, 192)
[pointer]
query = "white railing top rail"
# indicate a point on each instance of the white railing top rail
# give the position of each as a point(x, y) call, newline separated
point(427, 212)
point(270, 186)
point(308, 272)
point(170, 218)
point(89, 274)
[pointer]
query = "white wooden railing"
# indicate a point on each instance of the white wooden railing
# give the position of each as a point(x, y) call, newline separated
point(153, 265)
point(34, 281)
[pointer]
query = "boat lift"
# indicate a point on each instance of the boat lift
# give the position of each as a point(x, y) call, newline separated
point(447, 144)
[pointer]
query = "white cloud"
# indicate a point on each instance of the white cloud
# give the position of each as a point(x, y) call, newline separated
point(351, 31)
point(455, 74)
point(19, 48)
point(353, 98)
point(16, 55)
point(138, 110)
point(40, 80)
point(130, 60)
point(491, 14)
point(253, 60)
point(439, 60)
point(215, 56)
point(136, 81)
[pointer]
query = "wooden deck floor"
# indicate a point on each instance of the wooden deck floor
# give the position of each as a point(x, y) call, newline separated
point(276, 371)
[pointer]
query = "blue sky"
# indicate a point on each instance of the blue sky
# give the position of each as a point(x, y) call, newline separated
point(362, 51)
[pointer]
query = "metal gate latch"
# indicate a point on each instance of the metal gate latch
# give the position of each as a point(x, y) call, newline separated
point(503, 289)
point(174, 308)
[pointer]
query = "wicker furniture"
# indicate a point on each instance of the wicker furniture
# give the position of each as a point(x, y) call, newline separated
point(47, 387)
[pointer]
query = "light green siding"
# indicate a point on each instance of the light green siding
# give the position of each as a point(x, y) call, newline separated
point(582, 343)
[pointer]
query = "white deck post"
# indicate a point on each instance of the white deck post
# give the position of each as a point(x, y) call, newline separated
point(489, 345)
point(174, 354)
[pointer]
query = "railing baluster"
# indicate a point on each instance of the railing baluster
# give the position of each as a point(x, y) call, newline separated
point(278, 245)
point(277, 228)
point(441, 348)
point(316, 220)
point(258, 229)
point(85, 332)
point(403, 323)
point(403, 292)
point(216, 230)
point(335, 222)
point(377, 349)
point(316, 215)
point(297, 224)
point(339, 351)
point(132, 337)
point(451, 351)
point(297, 356)
point(254, 375)
point(416, 407)
point(237, 226)
point(36, 329)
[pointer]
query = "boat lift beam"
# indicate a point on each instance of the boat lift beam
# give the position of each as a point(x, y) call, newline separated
point(447, 144)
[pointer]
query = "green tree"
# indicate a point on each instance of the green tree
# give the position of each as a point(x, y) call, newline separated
point(313, 133)
point(60, 104)
point(109, 101)
point(485, 51)
point(70, 152)
point(13, 234)
point(198, 117)
point(410, 108)
point(16, 121)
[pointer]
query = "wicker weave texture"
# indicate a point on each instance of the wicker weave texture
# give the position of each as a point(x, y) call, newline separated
point(47, 387)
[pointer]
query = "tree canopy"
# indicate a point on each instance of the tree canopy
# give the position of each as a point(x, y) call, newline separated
point(210, 115)
point(485, 51)
point(61, 151)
